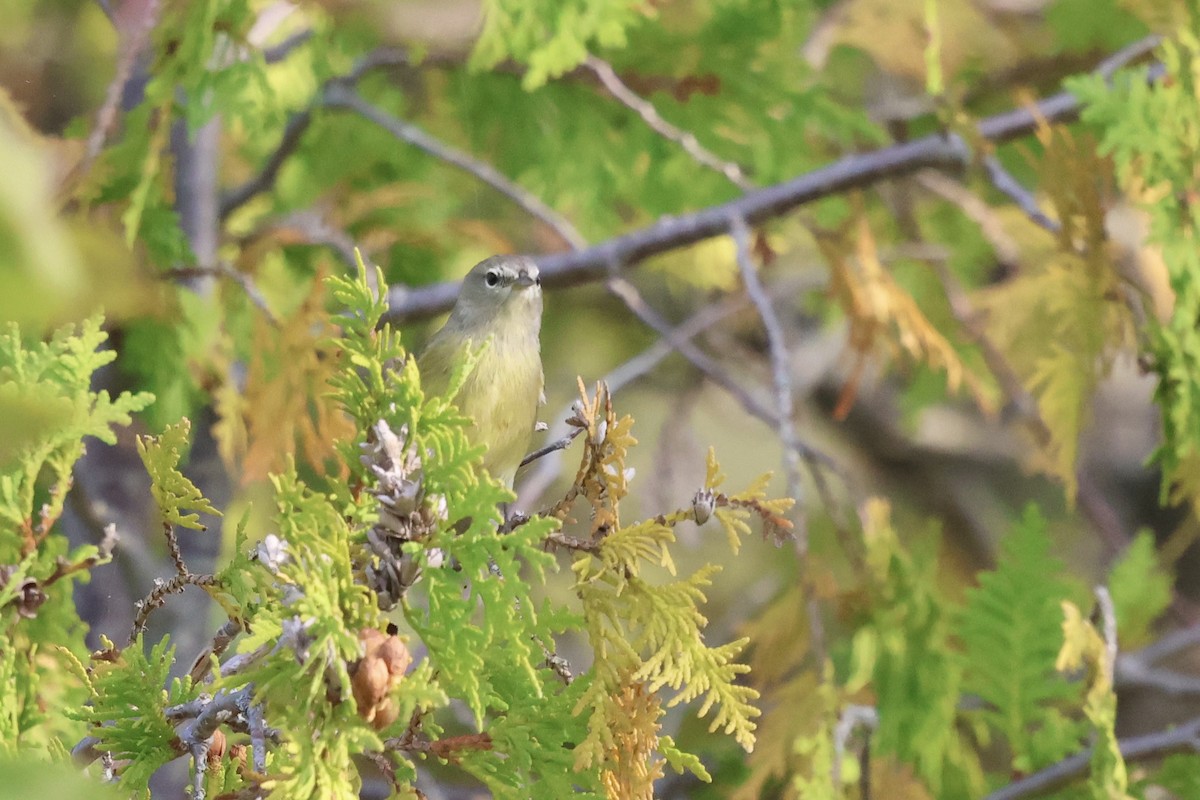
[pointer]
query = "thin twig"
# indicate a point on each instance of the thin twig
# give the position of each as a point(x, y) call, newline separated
point(293, 132)
point(276, 53)
point(538, 480)
point(633, 300)
point(339, 92)
point(159, 594)
point(379, 58)
point(560, 539)
point(174, 550)
point(1139, 669)
point(1134, 673)
point(562, 443)
point(1108, 628)
point(196, 735)
point(297, 124)
point(706, 364)
point(1007, 251)
point(1182, 739)
point(134, 22)
point(339, 95)
point(225, 270)
point(221, 640)
point(442, 748)
point(780, 369)
point(310, 226)
point(645, 109)
point(556, 663)
point(937, 151)
point(1092, 501)
point(1170, 645)
point(792, 447)
point(1006, 183)
point(104, 551)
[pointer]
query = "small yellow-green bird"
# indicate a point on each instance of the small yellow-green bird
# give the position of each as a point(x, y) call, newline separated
point(500, 303)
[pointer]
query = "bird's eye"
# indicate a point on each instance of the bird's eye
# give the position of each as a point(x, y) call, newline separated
point(537, 281)
point(492, 278)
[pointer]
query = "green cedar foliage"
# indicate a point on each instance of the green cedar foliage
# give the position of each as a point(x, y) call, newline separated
point(129, 692)
point(1149, 130)
point(966, 692)
point(1141, 591)
point(1086, 651)
point(40, 624)
point(307, 604)
point(553, 36)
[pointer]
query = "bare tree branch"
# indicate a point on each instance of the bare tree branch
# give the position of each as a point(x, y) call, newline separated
point(224, 270)
point(780, 371)
point(633, 300)
point(297, 124)
point(1006, 183)
point(561, 443)
point(1183, 739)
point(975, 209)
point(645, 109)
point(945, 152)
point(339, 93)
point(277, 53)
point(312, 226)
point(133, 21)
point(1139, 669)
point(793, 449)
point(1127, 55)
point(1171, 644)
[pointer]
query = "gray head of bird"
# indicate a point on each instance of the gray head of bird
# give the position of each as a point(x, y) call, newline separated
point(501, 290)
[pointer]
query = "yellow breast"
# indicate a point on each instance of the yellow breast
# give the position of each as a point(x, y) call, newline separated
point(501, 396)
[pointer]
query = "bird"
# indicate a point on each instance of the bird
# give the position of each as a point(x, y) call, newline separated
point(500, 304)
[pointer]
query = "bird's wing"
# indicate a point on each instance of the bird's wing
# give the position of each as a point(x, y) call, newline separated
point(437, 364)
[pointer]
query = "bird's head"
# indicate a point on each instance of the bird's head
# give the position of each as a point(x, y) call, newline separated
point(501, 290)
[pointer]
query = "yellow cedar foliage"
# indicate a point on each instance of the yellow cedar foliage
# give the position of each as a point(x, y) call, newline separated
point(648, 636)
point(630, 767)
point(816, 779)
point(1085, 648)
point(780, 638)
point(602, 478)
point(732, 511)
point(884, 317)
point(285, 406)
point(1061, 321)
point(799, 715)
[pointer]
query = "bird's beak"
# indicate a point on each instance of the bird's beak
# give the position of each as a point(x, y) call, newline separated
point(526, 279)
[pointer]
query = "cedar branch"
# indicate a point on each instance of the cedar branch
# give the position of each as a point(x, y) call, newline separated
point(939, 151)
